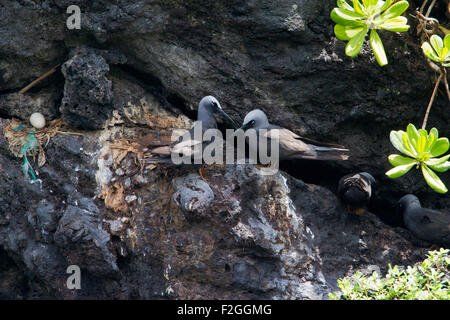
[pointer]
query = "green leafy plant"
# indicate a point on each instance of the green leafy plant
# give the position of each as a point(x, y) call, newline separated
point(429, 280)
point(422, 150)
point(438, 50)
point(354, 22)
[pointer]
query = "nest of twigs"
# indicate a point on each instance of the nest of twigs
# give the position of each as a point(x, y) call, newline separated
point(20, 136)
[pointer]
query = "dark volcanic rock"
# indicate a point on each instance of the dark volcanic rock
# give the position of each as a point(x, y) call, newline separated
point(22, 106)
point(237, 233)
point(81, 229)
point(87, 101)
point(193, 195)
point(280, 56)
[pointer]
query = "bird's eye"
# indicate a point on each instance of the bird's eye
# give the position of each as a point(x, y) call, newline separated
point(252, 123)
point(215, 105)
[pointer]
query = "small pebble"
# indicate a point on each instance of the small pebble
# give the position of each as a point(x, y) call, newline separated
point(130, 198)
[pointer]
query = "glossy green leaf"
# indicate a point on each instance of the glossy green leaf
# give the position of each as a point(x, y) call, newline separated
point(378, 48)
point(346, 17)
point(346, 32)
point(399, 170)
point(408, 145)
point(366, 3)
point(440, 147)
point(370, 6)
point(422, 142)
point(413, 134)
point(429, 52)
point(435, 132)
point(433, 180)
point(447, 41)
point(398, 160)
point(355, 44)
point(437, 161)
point(383, 5)
point(430, 141)
point(444, 52)
point(442, 167)
point(437, 44)
point(397, 24)
point(396, 138)
point(359, 8)
point(394, 11)
point(344, 5)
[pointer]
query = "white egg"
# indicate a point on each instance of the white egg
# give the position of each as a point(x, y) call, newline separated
point(37, 120)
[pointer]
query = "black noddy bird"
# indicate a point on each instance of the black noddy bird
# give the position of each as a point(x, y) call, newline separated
point(185, 145)
point(426, 224)
point(355, 190)
point(290, 144)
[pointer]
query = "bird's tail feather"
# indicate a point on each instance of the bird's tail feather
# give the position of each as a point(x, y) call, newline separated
point(326, 153)
point(163, 150)
point(329, 149)
point(157, 160)
point(321, 144)
point(324, 156)
point(331, 153)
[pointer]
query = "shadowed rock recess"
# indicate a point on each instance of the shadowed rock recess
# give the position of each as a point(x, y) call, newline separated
point(137, 70)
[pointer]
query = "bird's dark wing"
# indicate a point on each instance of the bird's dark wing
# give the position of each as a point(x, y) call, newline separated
point(354, 190)
point(161, 151)
point(188, 147)
point(430, 225)
point(320, 143)
point(310, 141)
point(165, 150)
point(292, 147)
point(437, 217)
point(343, 185)
point(288, 140)
point(359, 182)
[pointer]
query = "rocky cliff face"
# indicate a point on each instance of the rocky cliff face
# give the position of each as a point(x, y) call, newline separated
point(136, 71)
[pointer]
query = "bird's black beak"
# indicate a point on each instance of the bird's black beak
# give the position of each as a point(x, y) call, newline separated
point(228, 118)
point(244, 128)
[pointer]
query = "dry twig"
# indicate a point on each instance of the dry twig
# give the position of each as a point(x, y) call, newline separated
point(35, 82)
point(425, 119)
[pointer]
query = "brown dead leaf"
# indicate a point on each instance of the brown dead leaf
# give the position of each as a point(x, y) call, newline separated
point(41, 158)
point(120, 148)
point(114, 196)
point(155, 117)
point(153, 139)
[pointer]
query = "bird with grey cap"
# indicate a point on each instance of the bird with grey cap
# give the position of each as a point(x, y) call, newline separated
point(355, 191)
point(186, 145)
point(291, 145)
point(426, 224)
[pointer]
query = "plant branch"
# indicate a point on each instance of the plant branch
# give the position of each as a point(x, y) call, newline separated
point(35, 82)
point(430, 8)
point(438, 81)
point(422, 25)
point(446, 84)
point(423, 6)
point(434, 66)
